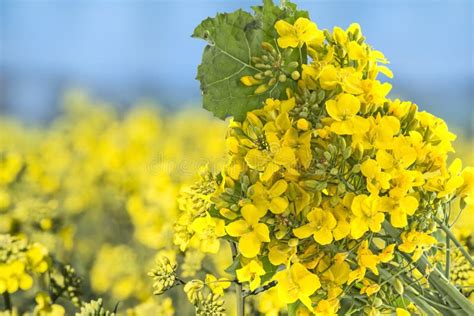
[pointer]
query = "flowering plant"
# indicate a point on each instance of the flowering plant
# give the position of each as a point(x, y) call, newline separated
point(334, 196)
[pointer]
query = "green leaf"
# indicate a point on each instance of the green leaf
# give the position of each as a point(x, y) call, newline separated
point(233, 266)
point(293, 308)
point(233, 39)
point(269, 268)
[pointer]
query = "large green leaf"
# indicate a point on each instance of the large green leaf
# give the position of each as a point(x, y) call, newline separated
point(233, 39)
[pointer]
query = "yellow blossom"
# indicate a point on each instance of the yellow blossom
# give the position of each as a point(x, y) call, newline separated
point(297, 283)
point(368, 215)
point(321, 223)
point(252, 233)
point(251, 273)
point(416, 242)
point(344, 111)
point(301, 32)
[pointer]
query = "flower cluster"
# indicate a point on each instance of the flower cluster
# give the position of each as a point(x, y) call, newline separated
point(19, 261)
point(333, 190)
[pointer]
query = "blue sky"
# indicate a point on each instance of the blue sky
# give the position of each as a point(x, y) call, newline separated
point(125, 50)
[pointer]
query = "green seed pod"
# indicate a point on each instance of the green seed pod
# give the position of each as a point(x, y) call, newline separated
point(268, 73)
point(293, 242)
point(398, 285)
point(377, 302)
point(267, 46)
point(293, 64)
point(327, 35)
point(256, 60)
point(295, 75)
point(261, 66)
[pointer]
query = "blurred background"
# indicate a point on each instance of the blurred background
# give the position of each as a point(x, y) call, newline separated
point(121, 50)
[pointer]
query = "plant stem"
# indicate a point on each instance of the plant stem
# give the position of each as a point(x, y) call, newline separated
point(450, 235)
point(238, 287)
point(7, 301)
point(448, 257)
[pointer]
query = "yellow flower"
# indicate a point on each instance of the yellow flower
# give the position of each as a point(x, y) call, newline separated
point(339, 271)
point(400, 208)
point(297, 283)
point(280, 253)
point(301, 143)
point(252, 233)
point(269, 304)
point(207, 232)
point(327, 308)
point(251, 273)
point(368, 215)
point(272, 159)
point(321, 223)
point(349, 79)
point(416, 243)
point(303, 31)
point(387, 254)
point(269, 199)
point(380, 134)
point(402, 312)
point(369, 288)
point(344, 112)
point(366, 260)
point(217, 286)
point(376, 178)
point(44, 306)
point(446, 184)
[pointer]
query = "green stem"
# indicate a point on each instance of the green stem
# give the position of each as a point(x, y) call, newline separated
point(436, 278)
point(448, 257)
point(7, 301)
point(240, 299)
point(451, 236)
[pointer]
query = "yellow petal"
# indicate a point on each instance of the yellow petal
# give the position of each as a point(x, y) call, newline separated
point(323, 236)
point(251, 213)
point(304, 231)
point(278, 205)
point(333, 110)
point(409, 204)
point(284, 28)
point(262, 232)
point(285, 157)
point(249, 245)
point(278, 188)
point(256, 159)
point(288, 41)
point(237, 228)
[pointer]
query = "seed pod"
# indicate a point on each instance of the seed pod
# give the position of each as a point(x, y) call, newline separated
point(256, 60)
point(295, 75)
point(377, 302)
point(398, 285)
point(267, 46)
point(293, 242)
point(293, 64)
point(282, 78)
point(328, 36)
